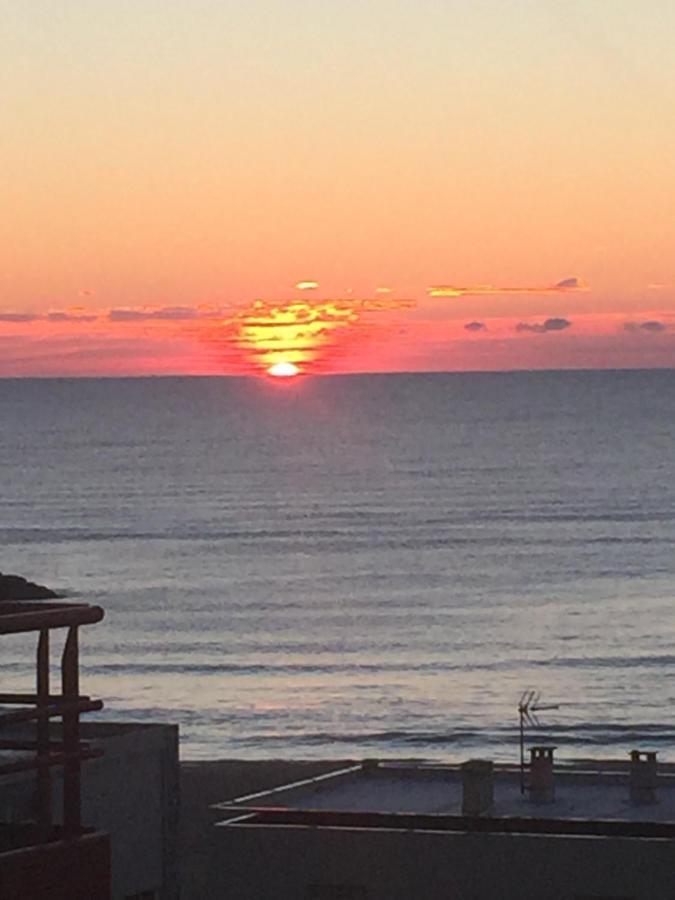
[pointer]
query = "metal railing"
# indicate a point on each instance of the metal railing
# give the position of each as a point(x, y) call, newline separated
point(44, 750)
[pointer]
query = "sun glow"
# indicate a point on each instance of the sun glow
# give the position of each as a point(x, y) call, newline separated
point(295, 337)
point(283, 370)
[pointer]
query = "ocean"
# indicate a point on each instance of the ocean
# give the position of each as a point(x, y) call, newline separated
point(357, 566)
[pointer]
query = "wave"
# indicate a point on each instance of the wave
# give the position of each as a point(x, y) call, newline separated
point(579, 735)
point(317, 668)
point(411, 535)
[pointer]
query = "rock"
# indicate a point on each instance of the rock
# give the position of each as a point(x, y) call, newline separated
point(13, 587)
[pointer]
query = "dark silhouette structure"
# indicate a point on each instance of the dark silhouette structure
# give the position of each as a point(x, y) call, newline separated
point(42, 858)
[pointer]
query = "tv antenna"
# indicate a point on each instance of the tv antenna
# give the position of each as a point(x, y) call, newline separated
point(528, 708)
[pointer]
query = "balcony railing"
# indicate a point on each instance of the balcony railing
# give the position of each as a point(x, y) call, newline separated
point(66, 847)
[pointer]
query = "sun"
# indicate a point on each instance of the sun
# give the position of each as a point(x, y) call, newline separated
point(283, 370)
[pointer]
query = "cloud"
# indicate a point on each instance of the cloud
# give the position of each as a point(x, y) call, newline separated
point(571, 284)
point(96, 354)
point(544, 327)
point(119, 314)
point(560, 287)
point(70, 317)
point(652, 326)
point(308, 285)
point(165, 313)
point(18, 317)
point(74, 314)
point(475, 326)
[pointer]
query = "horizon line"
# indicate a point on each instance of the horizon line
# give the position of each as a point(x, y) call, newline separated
point(303, 376)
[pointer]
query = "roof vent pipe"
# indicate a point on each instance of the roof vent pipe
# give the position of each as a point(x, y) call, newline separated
point(542, 786)
point(643, 777)
point(477, 787)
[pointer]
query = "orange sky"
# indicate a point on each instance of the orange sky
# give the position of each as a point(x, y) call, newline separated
point(178, 161)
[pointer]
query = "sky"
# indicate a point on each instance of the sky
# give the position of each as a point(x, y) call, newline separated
point(219, 187)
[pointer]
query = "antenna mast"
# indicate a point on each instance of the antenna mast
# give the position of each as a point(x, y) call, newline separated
point(528, 708)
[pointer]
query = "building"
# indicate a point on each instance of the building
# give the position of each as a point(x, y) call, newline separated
point(434, 832)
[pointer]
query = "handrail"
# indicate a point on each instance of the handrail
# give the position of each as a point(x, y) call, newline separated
point(16, 618)
point(53, 711)
point(32, 699)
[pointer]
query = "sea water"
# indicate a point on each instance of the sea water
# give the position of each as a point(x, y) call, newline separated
point(357, 566)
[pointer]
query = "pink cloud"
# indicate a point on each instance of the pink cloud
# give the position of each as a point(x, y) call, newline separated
point(164, 313)
point(548, 325)
point(560, 287)
point(70, 317)
point(18, 317)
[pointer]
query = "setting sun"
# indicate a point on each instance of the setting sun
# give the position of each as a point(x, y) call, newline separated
point(283, 370)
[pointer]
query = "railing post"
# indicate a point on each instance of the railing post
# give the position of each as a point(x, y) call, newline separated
point(72, 822)
point(44, 785)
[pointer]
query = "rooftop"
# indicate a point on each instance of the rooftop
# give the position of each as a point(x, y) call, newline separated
point(384, 794)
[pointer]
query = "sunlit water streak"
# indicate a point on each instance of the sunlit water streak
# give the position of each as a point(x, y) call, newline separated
point(372, 565)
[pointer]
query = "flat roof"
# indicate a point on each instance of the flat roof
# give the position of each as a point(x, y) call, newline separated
point(582, 792)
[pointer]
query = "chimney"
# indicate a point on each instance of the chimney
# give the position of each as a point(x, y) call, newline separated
point(541, 786)
point(642, 777)
point(477, 787)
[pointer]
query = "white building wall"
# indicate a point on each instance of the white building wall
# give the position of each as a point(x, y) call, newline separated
point(132, 792)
